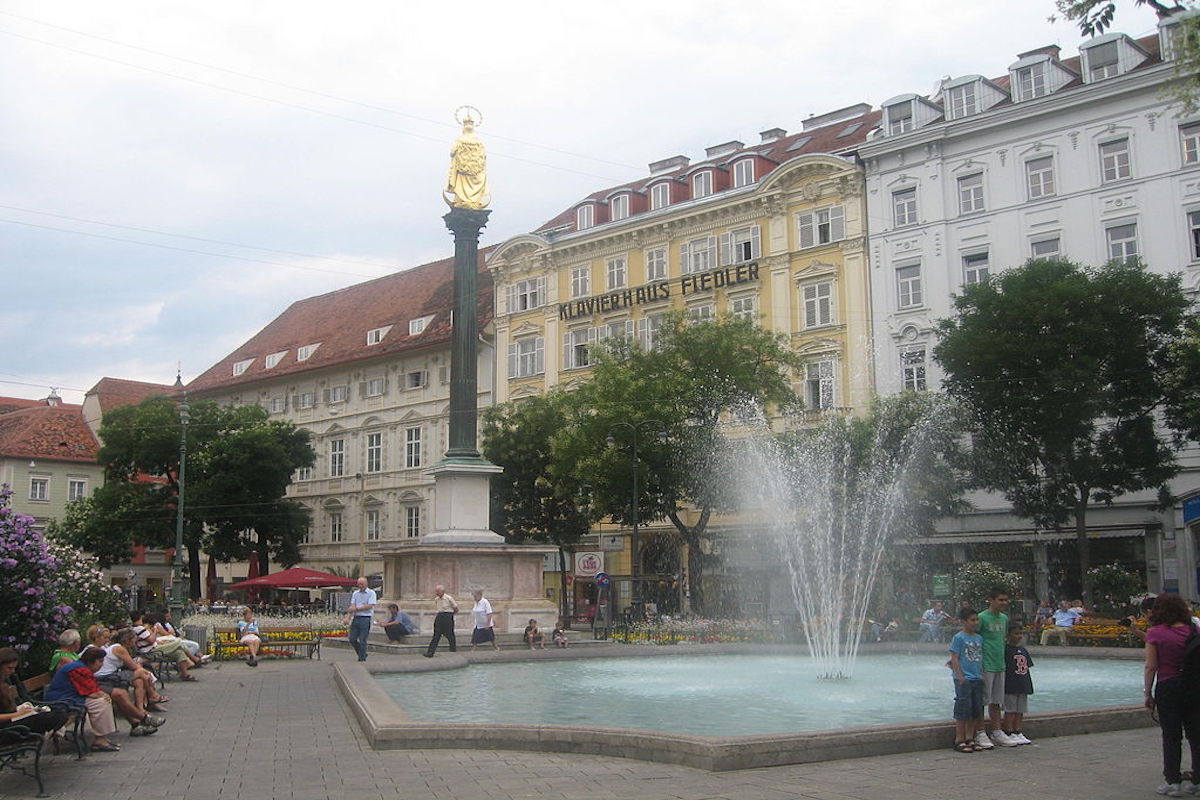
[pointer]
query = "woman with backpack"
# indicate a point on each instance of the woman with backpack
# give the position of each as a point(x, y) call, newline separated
point(1169, 675)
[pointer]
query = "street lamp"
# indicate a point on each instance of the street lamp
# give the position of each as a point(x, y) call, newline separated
point(362, 529)
point(660, 435)
point(178, 589)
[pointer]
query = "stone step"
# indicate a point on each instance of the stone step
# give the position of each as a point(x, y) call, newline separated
point(417, 644)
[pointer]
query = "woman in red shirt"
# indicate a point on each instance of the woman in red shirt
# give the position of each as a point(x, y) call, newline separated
point(75, 682)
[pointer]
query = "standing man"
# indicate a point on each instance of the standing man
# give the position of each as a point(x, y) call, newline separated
point(485, 621)
point(993, 627)
point(361, 610)
point(445, 607)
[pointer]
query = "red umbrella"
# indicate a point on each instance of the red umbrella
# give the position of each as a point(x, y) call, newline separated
point(210, 581)
point(294, 578)
point(252, 595)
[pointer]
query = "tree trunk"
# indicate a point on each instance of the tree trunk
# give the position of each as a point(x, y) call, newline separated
point(563, 610)
point(194, 571)
point(691, 535)
point(1084, 547)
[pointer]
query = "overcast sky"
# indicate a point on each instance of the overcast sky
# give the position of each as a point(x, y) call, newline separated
point(173, 175)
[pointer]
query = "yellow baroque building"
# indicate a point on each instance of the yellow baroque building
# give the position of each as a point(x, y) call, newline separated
point(775, 232)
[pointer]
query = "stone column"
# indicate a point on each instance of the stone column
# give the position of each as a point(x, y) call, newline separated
point(465, 224)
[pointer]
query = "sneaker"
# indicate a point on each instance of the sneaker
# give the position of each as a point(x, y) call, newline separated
point(1003, 739)
point(1187, 787)
point(143, 730)
point(982, 740)
point(204, 659)
point(1020, 738)
point(1170, 790)
point(153, 721)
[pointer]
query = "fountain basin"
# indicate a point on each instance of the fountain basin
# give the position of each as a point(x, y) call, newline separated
point(388, 725)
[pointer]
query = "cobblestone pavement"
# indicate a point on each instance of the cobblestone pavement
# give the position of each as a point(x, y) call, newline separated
point(282, 731)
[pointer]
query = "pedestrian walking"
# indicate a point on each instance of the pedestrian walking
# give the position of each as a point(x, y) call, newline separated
point(445, 607)
point(361, 611)
point(485, 621)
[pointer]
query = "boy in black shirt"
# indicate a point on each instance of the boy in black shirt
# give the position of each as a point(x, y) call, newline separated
point(1018, 684)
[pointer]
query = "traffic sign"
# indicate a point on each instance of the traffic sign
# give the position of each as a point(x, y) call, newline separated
point(602, 579)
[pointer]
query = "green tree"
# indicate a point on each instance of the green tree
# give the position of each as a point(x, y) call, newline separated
point(1064, 371)
point(975, 580)
point(239, 465)
point(527, 502)
point(693, 379)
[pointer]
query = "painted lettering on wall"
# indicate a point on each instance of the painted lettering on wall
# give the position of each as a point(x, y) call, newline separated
point(661, 290)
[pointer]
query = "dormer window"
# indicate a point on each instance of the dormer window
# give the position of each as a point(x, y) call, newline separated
point(304, 353)
point(702, 184)
point(585, 217)
point(417, 326)
point(743, 172)
point(1031, 81)
point(900, 118)
point(618, 207)
point(274, 359)
point(962, 101)
point(375, 335)
point(660, 195)
point(1172, 29)
point(1102, 61)
point(241, 366)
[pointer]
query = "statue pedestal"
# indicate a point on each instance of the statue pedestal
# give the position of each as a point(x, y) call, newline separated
point(462, 554)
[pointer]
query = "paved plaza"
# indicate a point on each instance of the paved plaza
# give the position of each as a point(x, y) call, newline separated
point(282, 730)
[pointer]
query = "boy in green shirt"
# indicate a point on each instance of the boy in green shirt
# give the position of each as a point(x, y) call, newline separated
point(993, 627)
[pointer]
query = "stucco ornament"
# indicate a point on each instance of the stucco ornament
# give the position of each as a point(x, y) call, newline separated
point(466, 185)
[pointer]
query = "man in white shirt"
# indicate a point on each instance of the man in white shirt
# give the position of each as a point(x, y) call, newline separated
point(1064, 619)
point(445, 607)
point(361, 611)
point(485, 621)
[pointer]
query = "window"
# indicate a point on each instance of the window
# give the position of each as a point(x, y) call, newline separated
point(618, 207)
point(242, 366)
point(660, 195)
point(412, 448)
point(76, 489)
point(908, 284)
point(1114, 161)
point(743, 172)
point(744, 307)
point(335, 526)
point(912, 369)
point(1102, 61)
point(818, 385)
point(615, 273)
point(1039, 177)
point(372, 525)
point(527, 357)
point(701, 313)
point(698, 255)
point(1122, 241)
point(304, 474)
point(39, 488)
point(1031, 82)
point(619, 329)
point(525, 295)
point(702, 185)
point(585, 217)
point(1190, 139)
point(656, 264)
point(961, 101)
point(1045, 248)
point(418, 326)
point(1194, 228)
point(274, 359)
point(575, 347)
point(818, 304)
point(337, 458)
point(740, 245)
point(375, 336)
point(975, 268)
point(278, 405)
point(305, 400)
point(900, 118)
point(338, 394)
point(416, 379)
point(649, 329)
point(581, 281)
point(904, 207)
point(375, 387)
point(822, 226)
point(305, 353)
point(374, 452)
point(412, 522)
point(970, 193)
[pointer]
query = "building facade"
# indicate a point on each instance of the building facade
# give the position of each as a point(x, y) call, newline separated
point(1078, 157)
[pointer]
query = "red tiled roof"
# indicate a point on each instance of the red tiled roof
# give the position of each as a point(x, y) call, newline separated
point(117, 392)
point(54, 433)
point(339, 321)
point(835, 138)
point(8, 404)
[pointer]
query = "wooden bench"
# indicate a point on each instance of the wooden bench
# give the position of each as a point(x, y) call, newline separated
point(16, 742)
point(280, 637)
point(32, 689)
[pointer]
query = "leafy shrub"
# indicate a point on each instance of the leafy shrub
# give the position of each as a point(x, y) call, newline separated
point(1114, 587)
point(975, 580)
point(82, 586)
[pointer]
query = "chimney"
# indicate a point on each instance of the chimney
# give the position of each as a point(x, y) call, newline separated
point(723, 149)
point(53, 399)
point(668, 164)
point(772, 135)
point(1051, 50)
point(849, 112)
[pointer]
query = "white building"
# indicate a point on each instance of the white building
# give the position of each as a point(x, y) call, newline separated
point(1079, 157)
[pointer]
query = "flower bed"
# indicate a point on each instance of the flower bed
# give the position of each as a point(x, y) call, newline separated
point(323, 625)
point(703, 631)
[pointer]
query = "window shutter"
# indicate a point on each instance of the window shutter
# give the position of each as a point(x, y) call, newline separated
point(444, 374)
point(629, 329)
point(712, 252)
point(808, 229)
point(685, 258)
point(541, 291)
point(755, 242)
point(511, 298)
point(512, 361)
point(568, 359)
point(837, 224)
point(641, 332)
point(810, 313)
point(325, 396)
point(362, 388)
point(539, 350)
point(726, 249)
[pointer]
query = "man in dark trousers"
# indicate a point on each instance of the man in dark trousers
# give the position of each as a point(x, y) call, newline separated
point(445, 607)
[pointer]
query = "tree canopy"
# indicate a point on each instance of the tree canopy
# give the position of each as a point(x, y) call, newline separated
point(1067, 373)
point(239, 465)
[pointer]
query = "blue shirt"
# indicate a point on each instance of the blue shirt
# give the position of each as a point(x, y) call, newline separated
point(970, 654)
point(364, 597)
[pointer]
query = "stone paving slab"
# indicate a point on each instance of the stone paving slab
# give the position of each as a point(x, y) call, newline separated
point(282, 731)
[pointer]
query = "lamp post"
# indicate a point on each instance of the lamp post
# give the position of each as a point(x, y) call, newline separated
point(178, 590)
point(635, 428)
point(362, 529)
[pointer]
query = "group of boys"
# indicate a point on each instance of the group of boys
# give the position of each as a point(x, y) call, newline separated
point(990, 668)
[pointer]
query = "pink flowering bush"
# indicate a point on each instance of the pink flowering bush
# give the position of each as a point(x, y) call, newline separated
point(31, 614)
point(81, 585)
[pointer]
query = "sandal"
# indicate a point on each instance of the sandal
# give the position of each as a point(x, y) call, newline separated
point(964, 747)
point(188, 678)
point(111, 747)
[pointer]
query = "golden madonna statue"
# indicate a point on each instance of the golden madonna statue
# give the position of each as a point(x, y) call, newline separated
point(466, 186)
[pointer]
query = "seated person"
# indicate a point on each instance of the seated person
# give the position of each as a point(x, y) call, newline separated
point(534, 636)
point(399, 626)
point(165, 631)
point(1064, 620)
point(39, 721)
point(68, 646)
point(124, 697)
point(559, 634)
point(248, 634)
point(173, 649)
point(75, 682)
point(121, 671)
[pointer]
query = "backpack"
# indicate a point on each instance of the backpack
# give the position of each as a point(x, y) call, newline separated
point(1189, 667)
